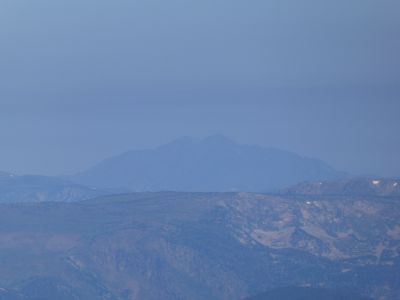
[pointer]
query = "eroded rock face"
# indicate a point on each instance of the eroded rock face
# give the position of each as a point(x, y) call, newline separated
point(338, 229)
point(199, 246)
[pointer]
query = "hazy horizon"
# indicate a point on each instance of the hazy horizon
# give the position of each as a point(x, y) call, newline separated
point(194, 138)
point(84, 80)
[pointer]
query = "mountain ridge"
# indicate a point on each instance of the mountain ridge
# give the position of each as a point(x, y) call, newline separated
point(213, 164)
point(198, 246)
point(39, 188)
point(355, 186)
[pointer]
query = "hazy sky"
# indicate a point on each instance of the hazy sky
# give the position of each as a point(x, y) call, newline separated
point(83, 80)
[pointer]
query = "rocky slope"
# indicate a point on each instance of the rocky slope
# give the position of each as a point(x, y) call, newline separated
point(364, 186)
point(199, 246)
point(307, 293)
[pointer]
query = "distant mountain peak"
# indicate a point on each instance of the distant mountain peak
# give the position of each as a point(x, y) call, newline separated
point(212, 139)
point(211, 164)
point(184, 140)
point(218, 139)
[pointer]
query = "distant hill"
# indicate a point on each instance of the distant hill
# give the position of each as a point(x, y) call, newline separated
point(211, 164)
point(34, 188)
point(305, 293)
point(388, 187)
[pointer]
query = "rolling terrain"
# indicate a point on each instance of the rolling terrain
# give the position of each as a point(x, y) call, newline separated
point(199, 246)
point(362, 186)
point(36, 188)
